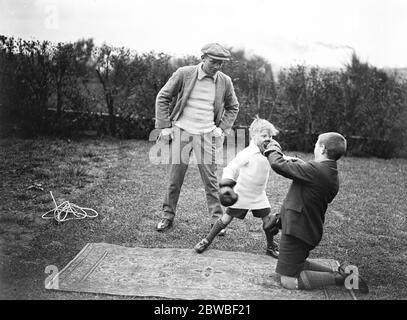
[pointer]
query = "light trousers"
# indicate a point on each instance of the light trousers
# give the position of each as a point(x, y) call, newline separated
point(208, 153)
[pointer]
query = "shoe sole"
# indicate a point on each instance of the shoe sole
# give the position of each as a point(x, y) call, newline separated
point(164, 229)
point(168, 227)
point(200, 250)
point(271, 255)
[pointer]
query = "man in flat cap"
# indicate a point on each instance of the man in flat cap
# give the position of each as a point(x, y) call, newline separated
point(194, 110)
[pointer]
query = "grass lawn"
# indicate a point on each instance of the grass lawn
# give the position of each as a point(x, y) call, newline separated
point(365, 225)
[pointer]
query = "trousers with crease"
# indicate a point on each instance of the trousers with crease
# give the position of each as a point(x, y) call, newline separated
point(207, 152)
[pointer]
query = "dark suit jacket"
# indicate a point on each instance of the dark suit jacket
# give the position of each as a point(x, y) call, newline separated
point(315, 184)
point(180, 85)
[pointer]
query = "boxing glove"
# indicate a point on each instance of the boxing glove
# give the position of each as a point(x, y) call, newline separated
point(269, 146)
point(273, 224)
point(227, 195)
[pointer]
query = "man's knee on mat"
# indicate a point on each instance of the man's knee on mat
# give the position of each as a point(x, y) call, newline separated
point(310, 280)
point(290, 283)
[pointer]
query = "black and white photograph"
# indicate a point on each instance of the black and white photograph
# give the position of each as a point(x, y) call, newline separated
point(203, 156)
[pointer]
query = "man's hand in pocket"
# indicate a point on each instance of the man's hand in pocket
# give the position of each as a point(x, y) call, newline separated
point(167, 134)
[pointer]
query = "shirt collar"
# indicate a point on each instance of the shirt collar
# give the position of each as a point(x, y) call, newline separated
point(254, 147)
point(202, 74)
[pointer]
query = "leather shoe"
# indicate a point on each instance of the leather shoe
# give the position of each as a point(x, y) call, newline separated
point(201, 246)
point(272, 250)
point(164, 225)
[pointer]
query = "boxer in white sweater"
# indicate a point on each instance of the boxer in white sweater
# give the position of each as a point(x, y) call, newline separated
point(243, 188)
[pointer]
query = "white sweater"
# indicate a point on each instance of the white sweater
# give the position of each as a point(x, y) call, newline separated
point(198, 115)
point(251, 170)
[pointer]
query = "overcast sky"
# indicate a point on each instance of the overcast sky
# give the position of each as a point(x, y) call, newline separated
point(286, 32)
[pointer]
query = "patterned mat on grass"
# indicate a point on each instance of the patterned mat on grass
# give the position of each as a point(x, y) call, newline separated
point(180, 274)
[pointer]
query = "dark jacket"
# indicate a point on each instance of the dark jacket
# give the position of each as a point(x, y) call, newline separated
point(314, 186)
point(180, 85)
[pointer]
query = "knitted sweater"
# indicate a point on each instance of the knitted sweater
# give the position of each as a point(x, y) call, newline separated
point(180, 85)
point(198, 114)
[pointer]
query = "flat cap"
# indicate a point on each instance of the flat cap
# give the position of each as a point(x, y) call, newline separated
point(216, 51)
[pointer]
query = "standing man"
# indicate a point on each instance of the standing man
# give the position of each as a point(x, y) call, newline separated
point(302, 216)
point(205, 109)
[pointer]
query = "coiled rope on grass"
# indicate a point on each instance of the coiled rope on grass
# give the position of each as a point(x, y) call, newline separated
point(68, 211)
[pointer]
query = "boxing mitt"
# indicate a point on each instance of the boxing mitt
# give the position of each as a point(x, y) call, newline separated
point(227, 195)
point(273, 224)
point(269, 146)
